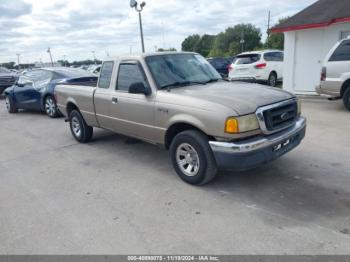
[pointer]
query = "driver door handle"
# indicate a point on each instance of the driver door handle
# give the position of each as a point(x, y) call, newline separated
point(114, 100)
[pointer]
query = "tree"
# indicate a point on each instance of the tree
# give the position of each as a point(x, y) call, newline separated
point(171, 49)
point(228, 43)
point(276, 40)
point(190, 43)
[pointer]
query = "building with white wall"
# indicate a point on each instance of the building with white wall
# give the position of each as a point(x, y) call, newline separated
point(309, 35)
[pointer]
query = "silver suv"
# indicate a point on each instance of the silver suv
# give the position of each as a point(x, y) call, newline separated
point(335, 75)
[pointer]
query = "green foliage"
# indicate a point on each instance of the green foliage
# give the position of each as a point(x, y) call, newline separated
point(276, 40)
point(225, 43)
point(171, 49)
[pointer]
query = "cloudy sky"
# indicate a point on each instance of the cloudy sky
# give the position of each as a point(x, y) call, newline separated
point(75, 28)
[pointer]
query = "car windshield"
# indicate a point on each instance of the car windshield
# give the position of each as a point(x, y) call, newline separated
point(4, 70)
point(175, 70)
point(247, 59)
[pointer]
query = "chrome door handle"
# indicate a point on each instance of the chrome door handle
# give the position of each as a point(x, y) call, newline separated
point(114, 100)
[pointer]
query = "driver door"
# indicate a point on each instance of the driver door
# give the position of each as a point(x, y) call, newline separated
point(133, 113)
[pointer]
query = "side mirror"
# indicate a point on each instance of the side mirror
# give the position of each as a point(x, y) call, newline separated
point(139, 88)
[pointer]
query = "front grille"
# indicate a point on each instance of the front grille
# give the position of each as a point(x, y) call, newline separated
point(281, 116)
point(7, 80)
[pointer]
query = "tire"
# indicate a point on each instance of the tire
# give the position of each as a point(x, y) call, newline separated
point(346, 98)
point(203, 163)
point(10, 105)
point(80, 130)
point(272, 81)
point(50, 107)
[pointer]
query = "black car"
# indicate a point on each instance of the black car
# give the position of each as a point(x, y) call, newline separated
point(7, 79)
point(221, 64)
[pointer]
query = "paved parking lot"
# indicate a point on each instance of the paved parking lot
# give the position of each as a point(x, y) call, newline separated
point(118, 196)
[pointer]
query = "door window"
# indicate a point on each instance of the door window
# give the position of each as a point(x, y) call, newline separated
point(106, 75)
point(130, 73)
point(342, 53)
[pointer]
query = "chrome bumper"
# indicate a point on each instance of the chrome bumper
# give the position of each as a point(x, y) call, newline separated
point(254, 144)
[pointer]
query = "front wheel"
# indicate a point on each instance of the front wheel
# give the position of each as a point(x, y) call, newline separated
point(272, 81)
point(346, 98)
point(192, 157)
point(10, 105)
point(80, 130)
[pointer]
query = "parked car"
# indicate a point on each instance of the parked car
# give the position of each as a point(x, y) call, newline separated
point(335, 75)
point(7, 78)
point(95, 69)
point(35, 89)
point(178, 100)
point(221, 64)
point(258, 66)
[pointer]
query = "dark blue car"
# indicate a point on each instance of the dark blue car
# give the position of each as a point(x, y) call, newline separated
point(34, 90)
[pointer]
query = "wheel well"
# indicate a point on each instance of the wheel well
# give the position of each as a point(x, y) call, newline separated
point(344, 87)
point(273, 72)
point(176, 129)
point(70, 107)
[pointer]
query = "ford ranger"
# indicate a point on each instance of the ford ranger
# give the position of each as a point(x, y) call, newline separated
point(179, 101)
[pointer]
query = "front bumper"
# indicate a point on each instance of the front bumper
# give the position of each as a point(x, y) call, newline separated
point(253, 152)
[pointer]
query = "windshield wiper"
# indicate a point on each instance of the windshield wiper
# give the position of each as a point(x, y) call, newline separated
point(183, 83)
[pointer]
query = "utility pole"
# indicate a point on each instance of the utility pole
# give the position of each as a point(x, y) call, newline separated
point(18, 60)
point(242, 41)
point(268, 29)
point(93, 54)
point(49, 51)
point(64, 60)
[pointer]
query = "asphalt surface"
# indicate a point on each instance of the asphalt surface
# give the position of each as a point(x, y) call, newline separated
point(120, 196)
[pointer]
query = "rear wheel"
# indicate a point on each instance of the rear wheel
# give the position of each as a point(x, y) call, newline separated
point(10, 105)
point(346, 98)
point(192, 157)
point(272, 81)
point(80, 130)
point(51, 107)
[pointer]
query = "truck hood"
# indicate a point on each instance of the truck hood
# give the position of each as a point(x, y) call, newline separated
point(243, 98)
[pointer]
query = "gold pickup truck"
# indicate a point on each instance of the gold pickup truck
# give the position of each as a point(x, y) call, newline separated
point(179, 101)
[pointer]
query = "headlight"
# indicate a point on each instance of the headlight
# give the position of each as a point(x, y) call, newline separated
point(241, 124)
point(299, 107)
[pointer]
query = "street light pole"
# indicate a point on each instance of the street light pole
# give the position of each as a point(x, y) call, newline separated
point(134, 4)
point(93, 54)
point(49, 51)
point(18, 60)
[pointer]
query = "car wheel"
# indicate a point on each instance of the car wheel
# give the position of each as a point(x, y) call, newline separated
point(272, 81)
point(80, 130)
point(192, 157)
point(51, 107)
point(346, 98)
point(10, 105)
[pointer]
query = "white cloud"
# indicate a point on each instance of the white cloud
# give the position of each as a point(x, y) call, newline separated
point(76, 27)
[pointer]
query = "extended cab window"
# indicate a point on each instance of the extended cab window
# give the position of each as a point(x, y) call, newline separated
point(342, 53)
point(130, 73)
point(106, 75)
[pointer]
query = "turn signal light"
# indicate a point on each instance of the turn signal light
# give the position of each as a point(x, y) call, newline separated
point(231, 126)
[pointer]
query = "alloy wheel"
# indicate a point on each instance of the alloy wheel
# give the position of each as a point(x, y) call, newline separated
point(76, 128)
point(50, 106)
point(187, 159)
point(8, 105)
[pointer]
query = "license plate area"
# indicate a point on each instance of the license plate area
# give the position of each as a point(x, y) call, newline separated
point(282, 145)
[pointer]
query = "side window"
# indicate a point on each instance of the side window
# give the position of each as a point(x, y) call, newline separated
point(278, 56)
point(106, 75)
point(342, 53)
point(268, 57)
point(129, 73)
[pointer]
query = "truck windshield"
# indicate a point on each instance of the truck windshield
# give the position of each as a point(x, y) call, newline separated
point(175, 70)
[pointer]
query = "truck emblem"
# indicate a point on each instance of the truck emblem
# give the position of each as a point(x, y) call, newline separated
point(284, 116)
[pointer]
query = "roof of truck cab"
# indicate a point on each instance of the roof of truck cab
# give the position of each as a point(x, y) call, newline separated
point(142, 55)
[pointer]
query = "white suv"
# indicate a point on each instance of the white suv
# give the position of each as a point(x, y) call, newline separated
point(259, 66)
point(335, 75)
